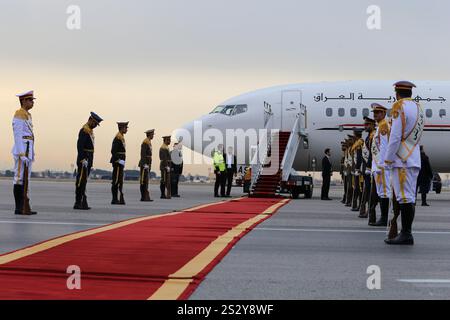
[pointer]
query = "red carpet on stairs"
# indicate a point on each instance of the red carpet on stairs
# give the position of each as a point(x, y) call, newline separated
point(153, 257)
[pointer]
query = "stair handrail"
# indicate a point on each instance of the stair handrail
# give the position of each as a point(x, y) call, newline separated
point(298, 132)
point(263, 148)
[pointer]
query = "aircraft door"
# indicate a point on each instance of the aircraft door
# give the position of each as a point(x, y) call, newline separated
point(290, 108)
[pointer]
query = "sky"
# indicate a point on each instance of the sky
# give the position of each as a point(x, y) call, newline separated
point(160, 64)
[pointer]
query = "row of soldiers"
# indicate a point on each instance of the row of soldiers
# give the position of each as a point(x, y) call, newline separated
point(385, 164)
point(171, 164)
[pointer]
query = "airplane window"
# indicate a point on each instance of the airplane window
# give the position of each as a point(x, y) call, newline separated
point(240, 108)
point(353, 112)
point(228, 110)
point(442, 113)
point(217, 109)
point(365, 112)
point(329, 112)
point(429, 113)
point(341, 112)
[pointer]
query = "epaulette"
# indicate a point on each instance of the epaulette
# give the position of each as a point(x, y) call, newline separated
point(358, 144)
point(396, 107)
point(164, 146)
point(120, 137)
point(147, 141)
point(383, 127)
point(87, 129)
point(21, 114)
point(371, 135)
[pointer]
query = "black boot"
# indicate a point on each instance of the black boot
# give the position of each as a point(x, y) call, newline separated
point(18, 197)
point(405, 237)
point(142, 189)
point(122, 199)
point(114, 191)
point(162, 187)
point(424, 200)
point(84, 204)
point(78, 198)
point(384, 208)
point(372, 210)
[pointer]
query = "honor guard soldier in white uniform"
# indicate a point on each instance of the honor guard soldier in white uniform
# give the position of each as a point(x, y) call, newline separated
point(369, 127)
point(403, 156)
point(145, 164)
point(23, 152)
point(85, 160)
point(118, 157)
point(380, 173)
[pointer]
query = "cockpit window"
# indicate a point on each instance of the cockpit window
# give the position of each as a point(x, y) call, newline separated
point(240, 108)
point(230, 110)
point(217, 109)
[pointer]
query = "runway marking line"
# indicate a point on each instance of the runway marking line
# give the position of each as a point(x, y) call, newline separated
point(179, 282)
point(48, 244)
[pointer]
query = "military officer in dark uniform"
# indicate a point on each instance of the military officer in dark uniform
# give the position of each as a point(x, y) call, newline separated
point(356, 172)
point(349, 169)
point(342, 168)
point(145, 164)
point(369, 127)
point(85, 160)
point(118, 156)
point(165, 167)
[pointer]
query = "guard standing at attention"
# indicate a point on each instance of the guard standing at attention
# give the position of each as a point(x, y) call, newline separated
point(85, 160)
point(357, 174)
point(349, 169)
point(369, 127)
point(23, 152)
point(165, 167)
point(118, 157)
point(145, 163)
point(381, 175)
point(342, 168)
point(403, 156)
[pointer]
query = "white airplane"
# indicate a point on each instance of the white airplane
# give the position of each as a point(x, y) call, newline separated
point(333, 110)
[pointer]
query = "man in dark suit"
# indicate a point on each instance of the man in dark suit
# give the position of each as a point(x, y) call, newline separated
point(177, 168)
point(327, 171)
point(231, 169)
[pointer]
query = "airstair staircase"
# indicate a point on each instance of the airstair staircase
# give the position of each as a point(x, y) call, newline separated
point(272, 163)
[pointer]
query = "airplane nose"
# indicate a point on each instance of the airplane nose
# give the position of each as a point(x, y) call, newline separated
point(185, 134)
point(194, 130)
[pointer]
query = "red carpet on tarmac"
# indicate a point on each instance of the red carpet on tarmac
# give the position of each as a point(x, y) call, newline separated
point(153, 257)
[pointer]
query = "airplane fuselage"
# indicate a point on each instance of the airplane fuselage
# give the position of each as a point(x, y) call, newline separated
point(333, 110)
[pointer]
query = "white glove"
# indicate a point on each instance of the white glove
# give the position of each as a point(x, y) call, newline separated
point(84, 163)
point(121, 162)
point(168, 169)
point(357, 173)
point(368, 172)
point(345, 173)
point(25, 160)
point(146, 167)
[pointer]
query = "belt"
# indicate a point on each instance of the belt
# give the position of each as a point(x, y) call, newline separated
point(88, 150)
point(28, 137)
point(121, 152)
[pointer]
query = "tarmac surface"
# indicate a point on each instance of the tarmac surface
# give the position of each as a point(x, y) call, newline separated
point(310, 249)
